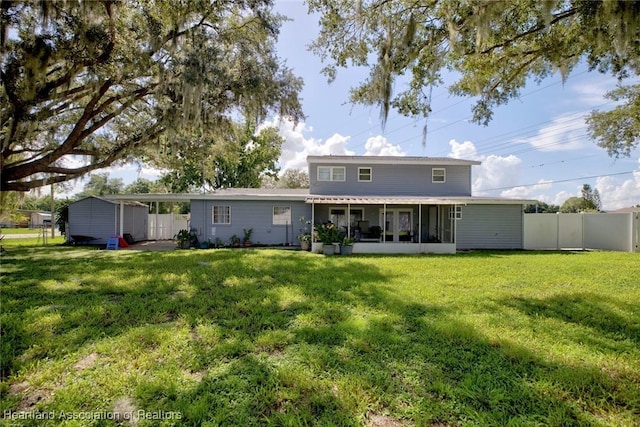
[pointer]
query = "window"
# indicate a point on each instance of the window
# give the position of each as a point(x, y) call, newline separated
point(331, 173)
point(221, 215)
point(455, 212)
point(438, 175)
point(364, 174)
point(281, 215)
point(338, 216)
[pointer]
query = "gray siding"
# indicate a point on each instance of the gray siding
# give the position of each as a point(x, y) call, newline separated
point(101, 219)
point(490, 227)
point(397, 180)
point(135, 221)
point(93, 217)
point(256, 214)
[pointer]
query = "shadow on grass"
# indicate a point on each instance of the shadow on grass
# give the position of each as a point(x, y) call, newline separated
point(281, 338)
point(603, 317)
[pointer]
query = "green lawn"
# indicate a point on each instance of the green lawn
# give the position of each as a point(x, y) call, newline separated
point(36, 231)
point(269, 337)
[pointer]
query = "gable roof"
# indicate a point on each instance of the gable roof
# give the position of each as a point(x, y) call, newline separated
point(392, 160)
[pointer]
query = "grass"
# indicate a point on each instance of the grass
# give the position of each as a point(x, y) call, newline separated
point(10, 230)
point(268, 337)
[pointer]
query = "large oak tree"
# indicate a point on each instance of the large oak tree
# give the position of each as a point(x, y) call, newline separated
point(89, 83)
point(494, 47)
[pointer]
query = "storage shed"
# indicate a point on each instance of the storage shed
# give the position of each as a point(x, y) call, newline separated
point(100, 219)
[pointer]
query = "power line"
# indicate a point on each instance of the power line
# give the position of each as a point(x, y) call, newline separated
point(560, 181)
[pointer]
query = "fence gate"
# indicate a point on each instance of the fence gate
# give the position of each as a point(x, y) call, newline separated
point(165, 226)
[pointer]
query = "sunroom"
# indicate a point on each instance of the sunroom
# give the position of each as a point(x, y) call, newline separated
point(391, 224)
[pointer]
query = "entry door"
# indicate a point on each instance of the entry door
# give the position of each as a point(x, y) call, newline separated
point(398, 225)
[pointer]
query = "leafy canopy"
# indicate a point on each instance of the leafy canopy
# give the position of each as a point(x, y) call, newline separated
point(493, 46)
point(89, 83)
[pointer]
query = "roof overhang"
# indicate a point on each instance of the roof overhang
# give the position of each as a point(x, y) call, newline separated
point(392, 160)
point(410, 200)
point(241, 194)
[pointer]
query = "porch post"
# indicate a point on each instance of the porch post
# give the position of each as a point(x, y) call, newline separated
point(420, 223)
point(157, 231)
point(348, 219)
point(121, 219)
point(313, 220)
point(384, 223)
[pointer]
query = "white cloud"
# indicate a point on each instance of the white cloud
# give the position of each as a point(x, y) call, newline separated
point(298, 145)
point(566, 132)
point(530, 192)
point(592, 92)
point(379, 146)
point(617, 193)
point(494, 172)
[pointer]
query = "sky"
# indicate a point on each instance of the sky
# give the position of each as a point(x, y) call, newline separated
point(536, 147)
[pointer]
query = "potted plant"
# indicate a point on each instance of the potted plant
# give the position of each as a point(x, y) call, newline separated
point(247, 236)
point(183, 239)
point(328, 234)
point(235, 241)
point(305, 236)
point(347, 246)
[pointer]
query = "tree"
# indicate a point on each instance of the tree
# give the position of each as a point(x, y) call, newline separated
point(493, 46)
point(591, 199)
point(100, 184)
point(240, 160)
point(541, 207)
point(291, 178)
point(89, 83)
point(572, 205)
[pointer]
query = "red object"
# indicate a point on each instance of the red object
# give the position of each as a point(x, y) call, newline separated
point(122, 243)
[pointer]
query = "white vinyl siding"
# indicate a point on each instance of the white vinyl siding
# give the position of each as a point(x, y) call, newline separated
point(438, 175)
point(365, 174)
point(281, 215)
point(331, 173)
point(221, 215)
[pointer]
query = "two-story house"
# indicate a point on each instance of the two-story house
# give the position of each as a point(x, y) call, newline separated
point(387, 204)
point(411, 205)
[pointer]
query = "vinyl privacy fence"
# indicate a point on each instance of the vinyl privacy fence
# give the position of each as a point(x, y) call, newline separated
point(608, 231)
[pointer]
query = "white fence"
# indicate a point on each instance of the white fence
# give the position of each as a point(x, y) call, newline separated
point(615, 232)
point(165, 226)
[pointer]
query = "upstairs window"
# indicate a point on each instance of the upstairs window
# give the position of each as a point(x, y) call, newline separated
point(331, 173)
point(364, 174)
point(281, 215)
point(438, 175)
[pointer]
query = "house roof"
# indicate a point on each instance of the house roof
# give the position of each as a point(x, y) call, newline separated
point(302, 194)
point(111, 199)
point(392, 160)
point(413, 200)
point(224, 194)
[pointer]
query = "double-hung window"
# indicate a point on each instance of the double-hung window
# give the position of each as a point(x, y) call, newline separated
point(438, 175)
point(331, 173)
point(221, 214)
point(364, 174)
point(281, 215)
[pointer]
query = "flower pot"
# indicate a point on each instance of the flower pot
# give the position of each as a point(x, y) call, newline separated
point(346, 249)
point(304, 245)
point(328, 249)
